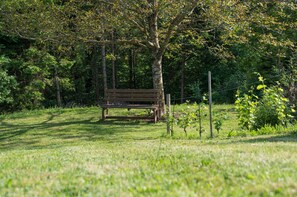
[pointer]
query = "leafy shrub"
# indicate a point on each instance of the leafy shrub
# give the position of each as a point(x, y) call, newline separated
point(186, 119)
point(218, 121)
point(189, 117)
point(7, 82)
point(272, 108)
point(246, 107)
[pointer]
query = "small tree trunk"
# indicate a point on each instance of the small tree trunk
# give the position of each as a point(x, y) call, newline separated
point(132, 63)
point(58, 89)
point(103, 55)
point(95, 71)
point(134, 68)
point(131, 68)
point(113, 61)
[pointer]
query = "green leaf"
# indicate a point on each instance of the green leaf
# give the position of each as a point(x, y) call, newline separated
point(261, 86)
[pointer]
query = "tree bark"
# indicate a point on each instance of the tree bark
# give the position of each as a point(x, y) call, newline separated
point(132, 64)
point(156, 51)
point(95, 71)
point(113, 61)
point(103, 55)
point(158, 79)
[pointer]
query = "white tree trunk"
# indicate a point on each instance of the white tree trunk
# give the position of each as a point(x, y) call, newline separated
point(158, 79)
point(58, 89)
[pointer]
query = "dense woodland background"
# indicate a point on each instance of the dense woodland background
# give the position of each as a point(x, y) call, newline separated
point(64, 52)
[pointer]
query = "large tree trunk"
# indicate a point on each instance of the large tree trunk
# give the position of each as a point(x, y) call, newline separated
point(156, 51)
point(158, 78)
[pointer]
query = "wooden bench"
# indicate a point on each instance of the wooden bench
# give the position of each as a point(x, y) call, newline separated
point(132, 99)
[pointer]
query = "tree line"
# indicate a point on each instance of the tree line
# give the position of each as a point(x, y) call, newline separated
point(67, 52)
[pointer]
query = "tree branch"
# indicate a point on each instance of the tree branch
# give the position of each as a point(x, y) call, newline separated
point(175, 24)
point(109, 42)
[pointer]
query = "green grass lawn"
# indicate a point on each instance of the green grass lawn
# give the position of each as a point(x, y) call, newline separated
point(68, 152)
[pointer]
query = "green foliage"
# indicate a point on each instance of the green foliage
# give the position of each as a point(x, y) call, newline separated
point(246, 107)
point(288, 78)
point(35, 65)
point(195, 89)
point(271, 108)
point(171, 121)
point(35, 72)
point(233, 39)
point(218, 121)
point(7, 83)
point(190, 116)
point(265, 130)
point(186, 119)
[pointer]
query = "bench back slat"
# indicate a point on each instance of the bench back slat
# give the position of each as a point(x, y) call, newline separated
point(132, 90)
point(133, 95)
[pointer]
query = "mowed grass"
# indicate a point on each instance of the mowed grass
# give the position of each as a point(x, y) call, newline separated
point(68, 152)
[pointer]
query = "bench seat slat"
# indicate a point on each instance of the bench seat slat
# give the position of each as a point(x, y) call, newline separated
point(154, 95)
point(130, 117)
point(119, 100)
point(131, 106)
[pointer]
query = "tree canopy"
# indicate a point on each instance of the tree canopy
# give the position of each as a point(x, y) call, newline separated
point(148, 43)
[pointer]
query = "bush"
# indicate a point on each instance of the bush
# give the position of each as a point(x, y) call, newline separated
point(7, 83)
point(189, 117)
point(272, 108)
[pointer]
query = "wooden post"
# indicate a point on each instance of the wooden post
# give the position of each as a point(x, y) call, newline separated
point(210, 103)
point(169, 131)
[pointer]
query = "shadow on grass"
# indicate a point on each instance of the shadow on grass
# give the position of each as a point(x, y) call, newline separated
point(289, 137)
point(50, 134)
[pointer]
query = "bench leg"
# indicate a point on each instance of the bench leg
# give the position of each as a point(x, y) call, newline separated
point(155, 115)
point(103, 114)
point(159, 113)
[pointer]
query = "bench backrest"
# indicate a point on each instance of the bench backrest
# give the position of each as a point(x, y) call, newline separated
point(152, 96)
